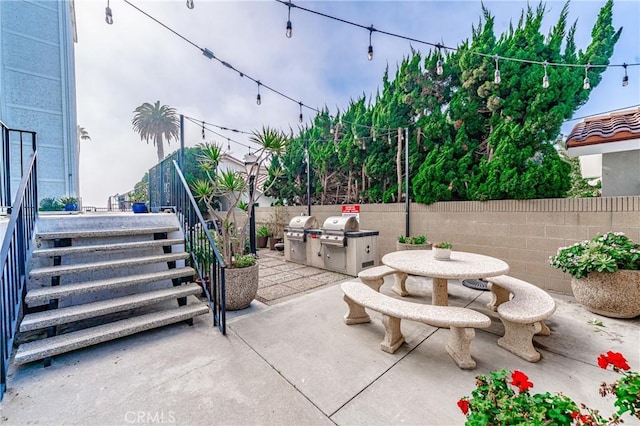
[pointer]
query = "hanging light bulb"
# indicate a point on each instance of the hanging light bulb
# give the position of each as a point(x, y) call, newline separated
point(258, 99)
point(108, 16)
point(439, 69)
point(190, 4)
point(203, 130)
point(370, 50)
point(331, 129)
point(228, 144)
point(300, 117)
point(545, 79)
point(585, 84)
point(625, 79)
point(289, 27)
point(496, 74)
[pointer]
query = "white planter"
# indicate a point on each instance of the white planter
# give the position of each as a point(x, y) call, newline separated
point(441, 253)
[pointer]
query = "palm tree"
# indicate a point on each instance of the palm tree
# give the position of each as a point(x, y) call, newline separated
point(156, 122)
point(83, 135)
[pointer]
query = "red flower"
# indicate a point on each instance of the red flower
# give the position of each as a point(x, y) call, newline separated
point(575, 414)
point(521, 381)
point(464, 406)
point(603, 362)
point(617, 360)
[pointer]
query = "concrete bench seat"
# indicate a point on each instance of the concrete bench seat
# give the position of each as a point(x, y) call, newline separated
point(522, 307)
point(374, 278)
point(461, 321)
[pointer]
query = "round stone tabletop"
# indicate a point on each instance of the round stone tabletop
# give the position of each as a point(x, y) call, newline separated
point(461, 265)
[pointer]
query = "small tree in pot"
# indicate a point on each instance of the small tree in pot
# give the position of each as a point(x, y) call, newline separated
point(232, 185)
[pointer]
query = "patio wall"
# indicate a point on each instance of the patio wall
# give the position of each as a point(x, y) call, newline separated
point(522, 233)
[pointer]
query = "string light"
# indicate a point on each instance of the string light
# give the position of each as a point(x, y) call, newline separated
point(190, 4)
point(625, 79)
point(108, 16)
point(585, 84)
point(370, 50)
point(203, 130)
point(496, 74)
point(545, 79)
point(228, 144)
point(439, 68)
point(289, 27)
point(258, 99)
point(300, 117)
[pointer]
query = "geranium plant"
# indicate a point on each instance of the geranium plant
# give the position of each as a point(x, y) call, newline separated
point(504, 398)
point(603, 253)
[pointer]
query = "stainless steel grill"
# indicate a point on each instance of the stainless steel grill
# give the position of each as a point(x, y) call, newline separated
point(345, 247)
point(335, 228)
point(295, 238)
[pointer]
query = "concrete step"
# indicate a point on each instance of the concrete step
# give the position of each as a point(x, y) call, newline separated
point(97, 233)
point(51, 271)
point(44, 348)
point(103, 307)
point(44, 294)
point(63, 251)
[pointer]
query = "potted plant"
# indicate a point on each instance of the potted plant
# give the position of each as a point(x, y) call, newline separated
point(241, 274)
point(70, 203)
point(262, 235)
point(50, 205)
point(504, 398)
point(605, 274)
point(139, 197)
point(418, 242)
point(276, 224)
point(442, 250)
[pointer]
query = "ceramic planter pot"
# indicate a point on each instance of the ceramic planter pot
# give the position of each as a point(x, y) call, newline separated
point(261, 242)
point(139, 207)
point(241, 287)
point(402, 246)
point(441, 253)
point(615, 295)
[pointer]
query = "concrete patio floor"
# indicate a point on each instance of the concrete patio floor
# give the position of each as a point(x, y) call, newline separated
point(295, 362)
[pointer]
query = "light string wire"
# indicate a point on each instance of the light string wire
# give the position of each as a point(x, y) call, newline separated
point(209, 54)
point(204, 125)
point(385, 131)
point(440, 46)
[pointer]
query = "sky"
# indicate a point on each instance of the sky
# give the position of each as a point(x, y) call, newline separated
point(324, 63)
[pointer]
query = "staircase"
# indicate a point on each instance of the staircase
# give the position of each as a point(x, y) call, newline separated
point(95, 278)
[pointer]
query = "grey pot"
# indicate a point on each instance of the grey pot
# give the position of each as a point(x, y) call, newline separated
point(241, 287)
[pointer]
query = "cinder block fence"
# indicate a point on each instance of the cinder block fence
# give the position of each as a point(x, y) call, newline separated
point(522, 233)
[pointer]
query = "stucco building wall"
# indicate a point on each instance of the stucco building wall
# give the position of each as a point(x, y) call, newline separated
point(37, 88)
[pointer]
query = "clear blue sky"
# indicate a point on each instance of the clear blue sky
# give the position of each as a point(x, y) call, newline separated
point(135, 60)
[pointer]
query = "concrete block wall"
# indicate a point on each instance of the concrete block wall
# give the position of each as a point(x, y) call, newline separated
point(523, 233)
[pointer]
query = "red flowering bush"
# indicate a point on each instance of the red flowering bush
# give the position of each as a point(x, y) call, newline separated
point(504, 399)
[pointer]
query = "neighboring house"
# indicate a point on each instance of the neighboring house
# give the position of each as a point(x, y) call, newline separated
point(229, 162)
point(616, 139)
point(37, 89)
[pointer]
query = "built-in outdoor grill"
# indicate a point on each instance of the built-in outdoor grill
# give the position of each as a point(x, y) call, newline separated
point(345, 247)
point(295, 238)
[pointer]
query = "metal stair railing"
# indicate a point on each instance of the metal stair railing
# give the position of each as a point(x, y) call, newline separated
point(8, 156)
point(168, 189)
point(13, 259)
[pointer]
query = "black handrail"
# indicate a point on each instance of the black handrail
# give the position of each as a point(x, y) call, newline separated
point(7, 155)
point(168, 189)
point(13, 259)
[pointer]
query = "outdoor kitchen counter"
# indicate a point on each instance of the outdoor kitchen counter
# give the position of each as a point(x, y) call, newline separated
point(461, 266)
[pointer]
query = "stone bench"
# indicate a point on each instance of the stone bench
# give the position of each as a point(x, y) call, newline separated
point(523, 314)
point(374, 278)
point(461, 321)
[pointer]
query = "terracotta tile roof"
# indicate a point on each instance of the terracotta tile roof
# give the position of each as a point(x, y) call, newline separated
point(615, 127)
